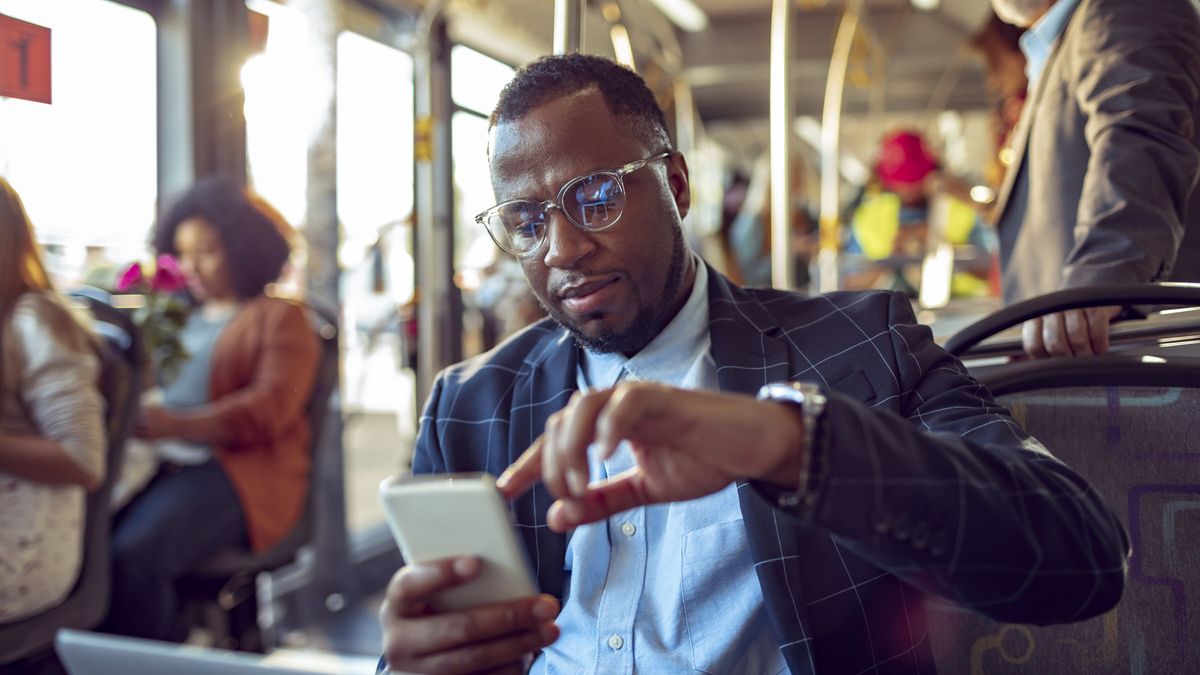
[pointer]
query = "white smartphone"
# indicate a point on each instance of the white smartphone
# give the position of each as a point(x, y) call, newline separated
point(440, 516)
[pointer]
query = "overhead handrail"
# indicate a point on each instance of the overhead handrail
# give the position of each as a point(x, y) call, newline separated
point(1164, 293)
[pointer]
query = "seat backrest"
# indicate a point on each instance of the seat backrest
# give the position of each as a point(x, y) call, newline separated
point(317, 411)
point(1138, 448)
point(121, 365)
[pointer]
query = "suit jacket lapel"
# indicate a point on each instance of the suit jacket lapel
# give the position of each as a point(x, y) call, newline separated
point(750, 350)
point(1020, 134)
point(545, 383)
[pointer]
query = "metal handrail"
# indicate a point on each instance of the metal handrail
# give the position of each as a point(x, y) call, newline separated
point(1166, 293)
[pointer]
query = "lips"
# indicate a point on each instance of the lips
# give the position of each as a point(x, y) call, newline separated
point(588, 296)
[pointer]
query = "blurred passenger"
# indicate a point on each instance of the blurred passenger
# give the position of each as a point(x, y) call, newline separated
point(1004, 74)
point(750, 232)
point(506, 300)
point(236, 471)
point(1104, 187)
point(52, 445)
point(890, 225)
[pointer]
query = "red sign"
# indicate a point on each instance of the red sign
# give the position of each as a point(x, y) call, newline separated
point(24, 60)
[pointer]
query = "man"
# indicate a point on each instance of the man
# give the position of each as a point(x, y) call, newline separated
point(1105, 184)
point(705, 529)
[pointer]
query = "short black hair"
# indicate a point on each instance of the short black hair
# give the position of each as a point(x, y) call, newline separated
point(552, 77)
point(255, 236)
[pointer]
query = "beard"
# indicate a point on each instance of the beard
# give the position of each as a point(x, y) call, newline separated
point(1021, 13)
point(647, 323)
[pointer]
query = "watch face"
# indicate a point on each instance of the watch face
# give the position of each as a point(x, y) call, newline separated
point(804, 394)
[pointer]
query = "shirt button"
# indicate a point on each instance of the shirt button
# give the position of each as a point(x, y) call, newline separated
point(628, 529)
point(616, 642)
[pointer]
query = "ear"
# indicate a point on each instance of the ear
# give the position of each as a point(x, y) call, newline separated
point(680, 184)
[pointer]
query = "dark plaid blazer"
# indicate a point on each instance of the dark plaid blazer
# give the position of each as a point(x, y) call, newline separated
point(931, 489)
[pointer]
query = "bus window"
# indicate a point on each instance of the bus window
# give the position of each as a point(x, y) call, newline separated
point(375, 201)
point(281, 115)
point(86, 165)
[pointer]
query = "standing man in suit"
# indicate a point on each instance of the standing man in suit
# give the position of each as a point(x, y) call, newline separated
point(705, 529)
point(1104, 187)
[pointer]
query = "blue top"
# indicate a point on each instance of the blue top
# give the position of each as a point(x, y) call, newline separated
point(667, 588)
point(191, 385)
point(1037, 42)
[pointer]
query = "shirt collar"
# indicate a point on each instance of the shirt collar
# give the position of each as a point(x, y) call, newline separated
point(669, 355)
point(1037, 42)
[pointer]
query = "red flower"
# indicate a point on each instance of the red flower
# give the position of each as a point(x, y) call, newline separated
point(168, 278)
point(131, 278)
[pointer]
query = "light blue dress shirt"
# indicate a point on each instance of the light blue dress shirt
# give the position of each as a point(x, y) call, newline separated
point(1037, 42)
point(667, 588)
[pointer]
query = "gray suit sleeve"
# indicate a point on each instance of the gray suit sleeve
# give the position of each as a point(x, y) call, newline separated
point(1138, 86)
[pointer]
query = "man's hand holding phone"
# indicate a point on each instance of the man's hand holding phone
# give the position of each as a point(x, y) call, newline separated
point(492, 638)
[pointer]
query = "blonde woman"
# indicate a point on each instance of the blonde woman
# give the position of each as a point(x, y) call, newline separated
point(51, 426)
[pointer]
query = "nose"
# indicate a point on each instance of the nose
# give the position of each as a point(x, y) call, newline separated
point(566, 244)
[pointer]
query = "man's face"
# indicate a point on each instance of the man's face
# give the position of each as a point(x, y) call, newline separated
point(615, 289)
point(1023, 13)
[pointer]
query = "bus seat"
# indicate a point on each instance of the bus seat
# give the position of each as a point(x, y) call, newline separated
point(1133, 439)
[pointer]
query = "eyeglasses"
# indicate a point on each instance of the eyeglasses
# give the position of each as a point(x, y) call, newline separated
point(593, 203)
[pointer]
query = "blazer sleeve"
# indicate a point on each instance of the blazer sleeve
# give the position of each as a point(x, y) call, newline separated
point(427, 455)
point(1137, 84)
point(278, 391)
point(1011, 531)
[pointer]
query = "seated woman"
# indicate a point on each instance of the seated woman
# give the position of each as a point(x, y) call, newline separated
point(51, 426)
point(238, 474)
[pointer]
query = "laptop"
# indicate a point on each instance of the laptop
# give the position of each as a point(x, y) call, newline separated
point(85, 653)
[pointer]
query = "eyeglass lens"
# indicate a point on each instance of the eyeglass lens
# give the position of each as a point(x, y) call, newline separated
point(593, 202)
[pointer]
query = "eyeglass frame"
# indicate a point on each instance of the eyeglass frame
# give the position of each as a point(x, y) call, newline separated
point(557, 203)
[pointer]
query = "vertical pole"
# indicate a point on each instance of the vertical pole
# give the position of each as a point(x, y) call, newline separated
point(831, 118)
point(332, 581)
point(439, 311)
point(781, 144)
point(219, 45)
point(568, 25)
point(176, 163)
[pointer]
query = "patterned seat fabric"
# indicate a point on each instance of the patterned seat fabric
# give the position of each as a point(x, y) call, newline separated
point(1140, 448)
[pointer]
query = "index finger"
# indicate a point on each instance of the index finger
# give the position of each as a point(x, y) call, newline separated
point(523, 473)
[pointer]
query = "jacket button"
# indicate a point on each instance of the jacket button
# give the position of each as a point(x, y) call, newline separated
point(920, 535)
point(881, 520)
point(902, 527)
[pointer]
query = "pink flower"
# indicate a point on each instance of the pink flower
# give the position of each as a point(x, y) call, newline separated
point(168, 278)
point(130, 278)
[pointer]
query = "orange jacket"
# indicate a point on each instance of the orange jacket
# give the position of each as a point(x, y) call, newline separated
point(264, 365)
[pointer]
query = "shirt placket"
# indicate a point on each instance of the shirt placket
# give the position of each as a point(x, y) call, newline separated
point(628, 553)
